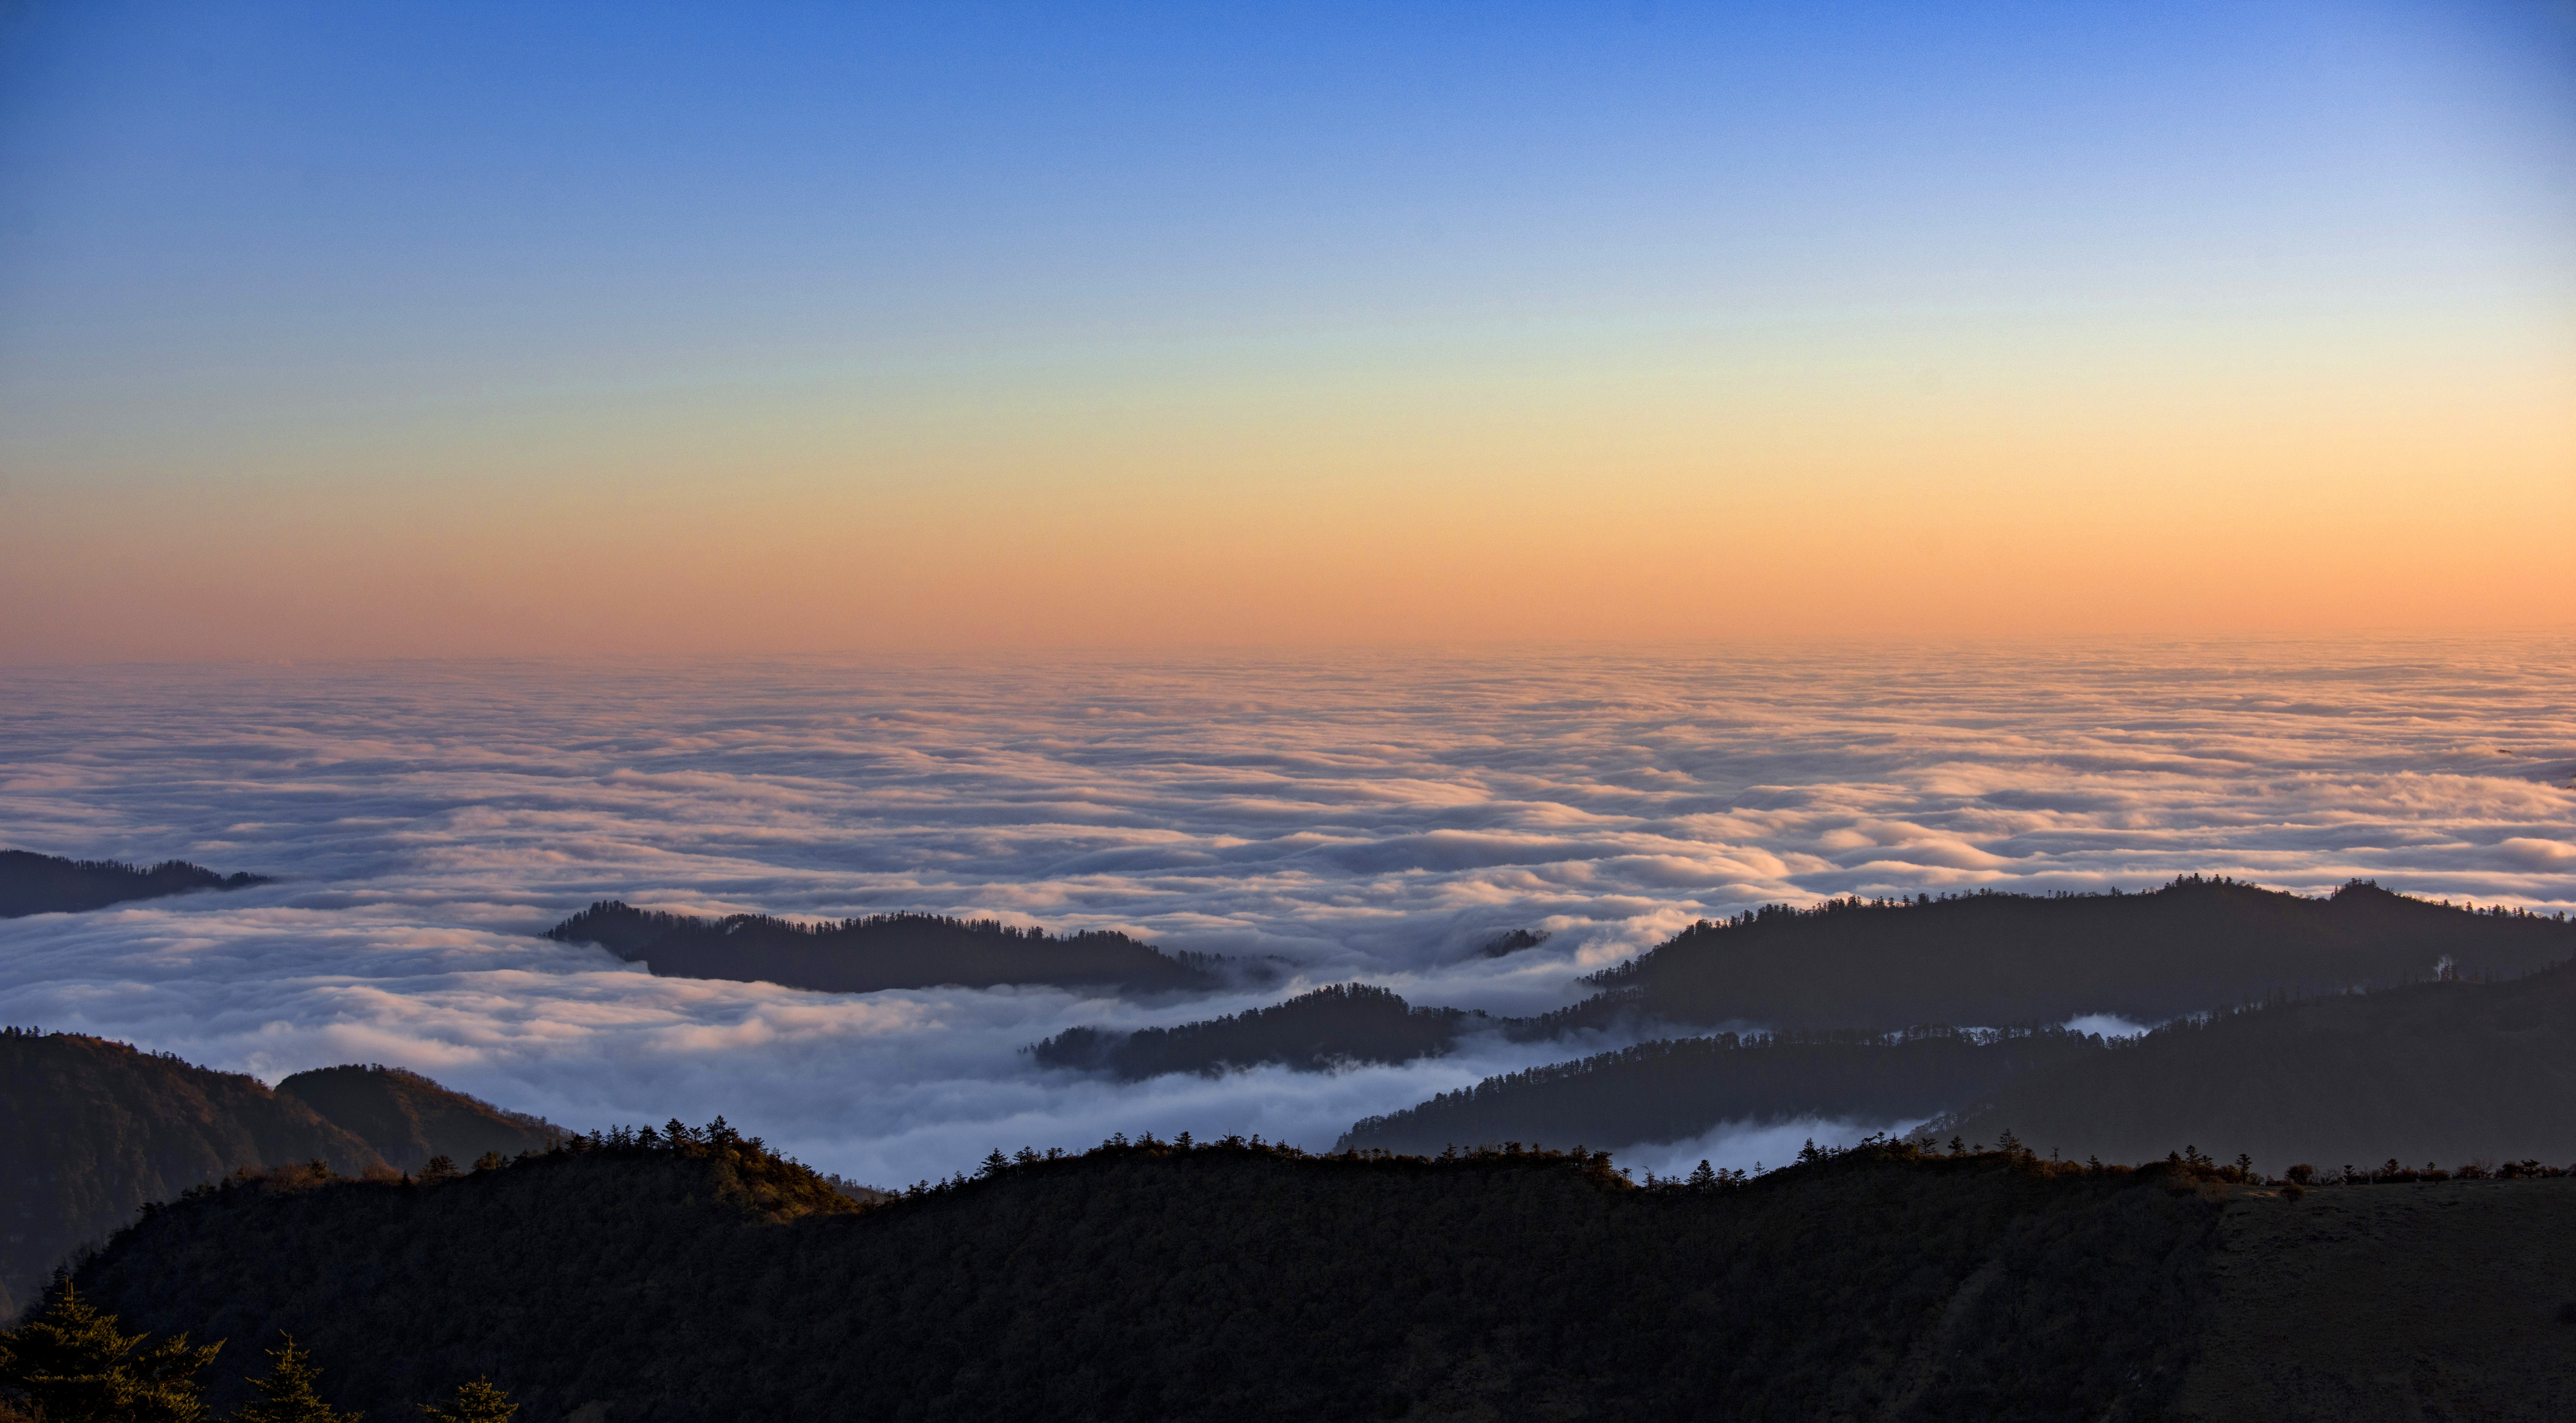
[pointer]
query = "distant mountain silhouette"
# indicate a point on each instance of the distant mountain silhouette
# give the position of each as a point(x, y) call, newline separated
point(1991, 958)
point(91, 1129)
point(408, 1119)
point(1512, 943)
point(879, 952)
point(1311, 1032)
point(1678, 1089)
point(2443, 1071)
point(49, 884)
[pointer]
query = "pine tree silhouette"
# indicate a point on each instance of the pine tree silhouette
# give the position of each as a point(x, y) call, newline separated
point(476, 1402)
point(288, 1394)
point(71, 1362)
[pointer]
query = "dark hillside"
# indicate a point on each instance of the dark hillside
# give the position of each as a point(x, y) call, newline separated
point(1675, 1090)
point(2439, 1071)
point(1311, 1032)
point(48, 884)
point(408, 1119)
point(879, 952)
point(1224, 1281)
point(1991, 958)
point(91, 1129)
point(2393, 1304)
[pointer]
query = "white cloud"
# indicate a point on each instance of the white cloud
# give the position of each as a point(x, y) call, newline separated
point(1373, 818)
point(1750, 1146)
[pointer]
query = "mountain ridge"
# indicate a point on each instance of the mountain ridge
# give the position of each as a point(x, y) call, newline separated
point(879, 952)
point(31, 883)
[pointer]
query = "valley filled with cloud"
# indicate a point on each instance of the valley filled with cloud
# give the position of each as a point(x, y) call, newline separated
point(1355, 816)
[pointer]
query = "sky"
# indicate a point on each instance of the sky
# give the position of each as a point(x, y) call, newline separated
point(1372, 816)
point(339, 331)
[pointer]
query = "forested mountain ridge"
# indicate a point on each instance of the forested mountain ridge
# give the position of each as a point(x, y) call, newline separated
point(410, 1119)
point(880, 952)
point(1991, 958)
point(1677, 1089)
point(1987, 959)
point(1311, 1032)
point(1176, 1281)
point(49, 884)
point(2444, 1071)
point(91, 1129)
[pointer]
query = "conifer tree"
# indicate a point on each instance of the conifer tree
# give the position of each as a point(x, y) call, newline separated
point(288, 1394)
point(476, 1402)
point(72, 1363)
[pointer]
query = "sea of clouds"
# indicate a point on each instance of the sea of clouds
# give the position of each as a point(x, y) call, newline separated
point(1370, 817)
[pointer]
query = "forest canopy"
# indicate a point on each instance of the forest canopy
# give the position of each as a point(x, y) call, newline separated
point(1312, 1032)
point(1992, 958)
point(881, 951)
point(48, 884)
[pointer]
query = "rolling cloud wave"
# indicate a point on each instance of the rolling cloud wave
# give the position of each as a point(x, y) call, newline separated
point(1352, 817)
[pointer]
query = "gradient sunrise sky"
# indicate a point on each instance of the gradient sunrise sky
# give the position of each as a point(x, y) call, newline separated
point(339, 330)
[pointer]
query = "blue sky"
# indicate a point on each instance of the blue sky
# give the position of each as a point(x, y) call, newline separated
point(274, 246)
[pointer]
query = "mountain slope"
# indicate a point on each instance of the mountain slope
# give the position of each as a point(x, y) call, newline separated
point(2439, 1071)
point(409, 1119)
point(1216, 1282)
point(48, 884)
point(880, 952)
point(1991, 958)
point(2392, 1304)
point(1338, 1023)
point(91, 1129)
point(1678, 1089)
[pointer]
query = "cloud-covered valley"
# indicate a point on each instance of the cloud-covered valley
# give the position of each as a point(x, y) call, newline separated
point(1372, 817)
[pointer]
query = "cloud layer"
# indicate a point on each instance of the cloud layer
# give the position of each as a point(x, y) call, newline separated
point(1355, 817)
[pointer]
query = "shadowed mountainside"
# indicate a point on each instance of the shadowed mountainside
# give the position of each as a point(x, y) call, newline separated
point(48, 884)
point(409, 1119)
point(2437, 1071)
point(1993, 958)
point(91, 1129)
point(1504, 945)
point(879, 952)
point(1311, 1032)
point(2392, 1304)
point(1678, 1089)
point(1165, 1281)
point(1983, 958)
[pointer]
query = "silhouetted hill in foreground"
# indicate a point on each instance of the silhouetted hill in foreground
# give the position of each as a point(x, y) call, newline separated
point(2438, 1071)
point(1311, 1032)
point(1678, 1089)
point(409, 1119)
point(2392, 1304)
point(1991, 958)
point(91, 1129)
point(48, 884)
point(879, 952)
point(1218, 1282)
